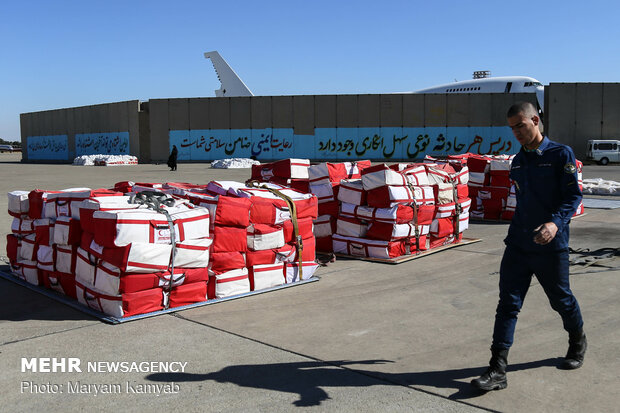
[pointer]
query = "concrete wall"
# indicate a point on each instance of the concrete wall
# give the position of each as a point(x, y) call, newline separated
point(322, 127)
point(331, 127)
point(62, 134)
point(577, 112)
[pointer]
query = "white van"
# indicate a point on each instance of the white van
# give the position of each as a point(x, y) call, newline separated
point(6, 148)
point(603, 151)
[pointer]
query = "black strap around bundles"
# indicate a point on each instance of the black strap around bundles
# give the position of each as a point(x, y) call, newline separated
point(299, 245)
point(415, 220)
point(156, 201)
point(457, 209)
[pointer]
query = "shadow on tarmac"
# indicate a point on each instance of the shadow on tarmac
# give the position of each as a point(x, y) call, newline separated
point(20, 304)
point(307, 379)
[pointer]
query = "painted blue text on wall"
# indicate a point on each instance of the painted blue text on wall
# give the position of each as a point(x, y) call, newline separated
point(113, 143)
point(386, 143)
point(50, 147)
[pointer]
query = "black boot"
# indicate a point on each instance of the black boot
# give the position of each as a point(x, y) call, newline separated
point(577, 345)
point(495, 376)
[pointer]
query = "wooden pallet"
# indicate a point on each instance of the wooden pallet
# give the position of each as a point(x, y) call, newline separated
point(405, 258)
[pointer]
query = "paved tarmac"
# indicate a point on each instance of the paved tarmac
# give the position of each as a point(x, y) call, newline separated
point(367, 337)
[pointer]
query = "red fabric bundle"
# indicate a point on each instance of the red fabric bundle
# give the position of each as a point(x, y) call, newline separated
point(324, 244)
point(286, 253)
point(12, 246)
point(61, 282)
point(226, 261)
point(188, 294)
point(500, 180)
point(442, 227)
point(477, 163)
point(233, 212)
point(305, 229)
point(227, 239)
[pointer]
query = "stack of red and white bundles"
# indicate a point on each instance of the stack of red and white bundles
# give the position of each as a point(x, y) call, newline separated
point(254, 245)
point(511, 201)
point(386, 214)
point(449, 181)
point(130, 253)
point(490, 194)
point(34, 244)
point(290, 172)
point(228, 271)
point(115, 256)
point(326, 180)
point(491, 188)
point(20, 243)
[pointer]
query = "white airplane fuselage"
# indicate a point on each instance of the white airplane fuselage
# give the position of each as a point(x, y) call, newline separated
point(502, 84)
point(232, 85)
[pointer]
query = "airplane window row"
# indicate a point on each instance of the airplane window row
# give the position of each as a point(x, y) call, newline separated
point(463, 89)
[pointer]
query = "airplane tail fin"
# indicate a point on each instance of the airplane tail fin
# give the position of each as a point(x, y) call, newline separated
point(231, 83)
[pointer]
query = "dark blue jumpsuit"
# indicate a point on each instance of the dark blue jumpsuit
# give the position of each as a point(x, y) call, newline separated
point(547, 191)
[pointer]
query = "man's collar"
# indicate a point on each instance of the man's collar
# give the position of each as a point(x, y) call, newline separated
point(541, 148)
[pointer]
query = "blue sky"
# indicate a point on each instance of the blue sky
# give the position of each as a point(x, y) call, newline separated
point(57, 54)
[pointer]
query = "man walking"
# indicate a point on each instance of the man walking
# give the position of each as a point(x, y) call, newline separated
point(545, 179)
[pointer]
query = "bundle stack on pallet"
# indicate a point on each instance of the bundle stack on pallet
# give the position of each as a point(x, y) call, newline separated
point(45, 225)
point(398, 210)
point(118, 254)
point(326, 181)
point(490, 187)
point(290, 172)
point(20, 242)
point(144, 247)
point(262, 236)
point(449, 182)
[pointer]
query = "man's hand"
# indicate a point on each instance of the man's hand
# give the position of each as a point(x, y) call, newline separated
point(545, 233)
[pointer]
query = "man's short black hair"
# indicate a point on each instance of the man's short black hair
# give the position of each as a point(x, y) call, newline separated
point(526, 108)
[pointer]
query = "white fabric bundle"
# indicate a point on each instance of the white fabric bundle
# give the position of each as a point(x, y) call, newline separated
point(231, 283)
point(477, 178)
point(352, 191)
point(28, 248)
point(292, 271)
point(323, 226)
point(388, 176)
point(396, 214)
point(393, 232)
point(267, 276)
point(324, 192)
point(193, 253)
point(120, 228)
point(351, 227)
point(26, 270)
point(264, 237)
point(18, 202)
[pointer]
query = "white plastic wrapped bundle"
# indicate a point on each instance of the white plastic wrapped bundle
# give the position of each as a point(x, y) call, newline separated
point(105, 160)
point(234, 163)
point(599, 186)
